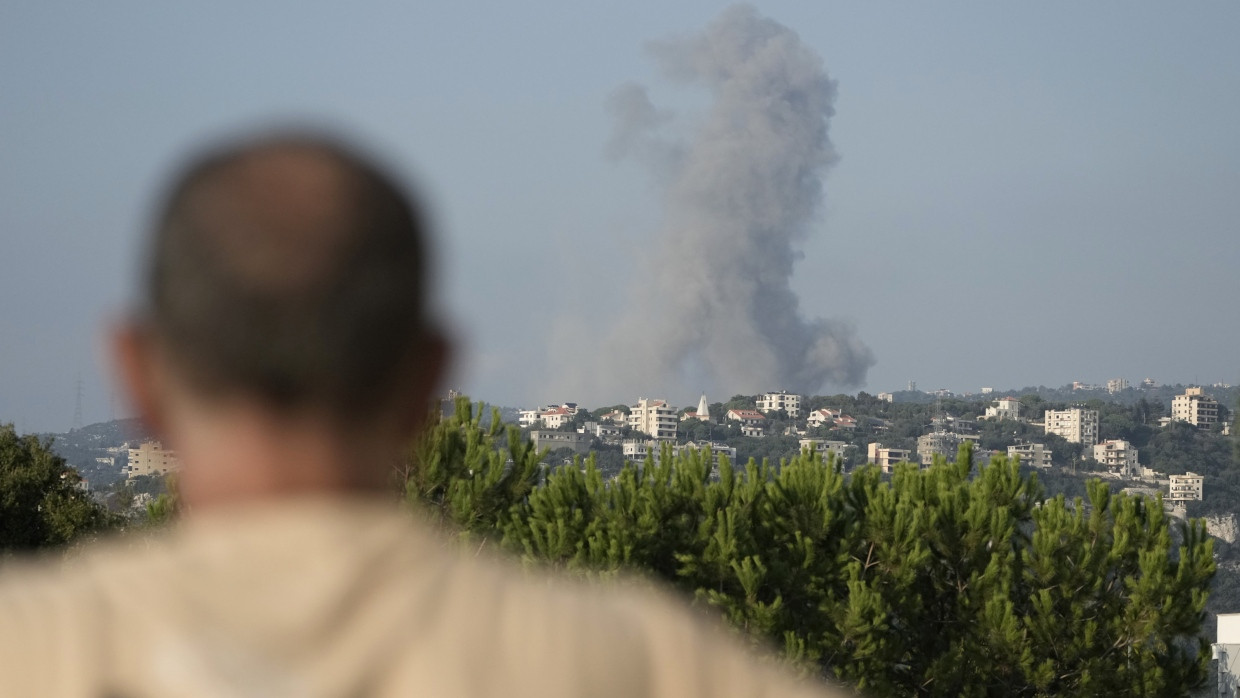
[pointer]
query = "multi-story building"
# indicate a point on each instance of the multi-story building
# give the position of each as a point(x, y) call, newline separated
point(886, 458)
point(653, 418)
point(1080, 426)
point(151, 458)
point(556, 417)
point(1118, 454)
point(1031, 454)
point(774, 402)
point(1195, 407)
point(1115, 385)
point(938, 443)
point(1004, 408)
point(749, 417)
point(550, 417)
point(824, 417)
point(824, 446)
point(638, 449)
point(1227, 652)
point(1185, 488)
point(577, 441)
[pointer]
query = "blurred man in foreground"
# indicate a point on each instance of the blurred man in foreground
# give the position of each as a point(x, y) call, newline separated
point(285, 353)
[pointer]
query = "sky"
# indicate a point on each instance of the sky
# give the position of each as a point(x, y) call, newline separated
point(1024, 194)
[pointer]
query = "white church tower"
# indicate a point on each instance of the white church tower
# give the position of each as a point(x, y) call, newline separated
point(703, 410)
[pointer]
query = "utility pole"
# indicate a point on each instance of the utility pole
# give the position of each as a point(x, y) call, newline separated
point(77, 409)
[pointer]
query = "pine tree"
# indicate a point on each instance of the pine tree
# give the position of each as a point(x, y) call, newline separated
point(954, 580)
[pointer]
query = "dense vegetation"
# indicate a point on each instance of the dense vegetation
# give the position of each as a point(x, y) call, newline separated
point(42, 504)
point(957, 580)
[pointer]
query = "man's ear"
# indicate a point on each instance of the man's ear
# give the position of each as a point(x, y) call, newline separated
point(134, 363)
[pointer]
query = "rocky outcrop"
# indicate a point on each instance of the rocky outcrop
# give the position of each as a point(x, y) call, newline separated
point(1222, 527)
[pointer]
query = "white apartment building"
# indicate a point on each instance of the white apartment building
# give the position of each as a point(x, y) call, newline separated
point(774, 402)
point(1035, 455)
point(746, 417)
point(1195, 407)
point(653, 418)
point(1118, 454)
point(1227, 652)
point(1185, 488)
point(1080, 426)
point(1116, 385)
point(638, 449)
point(824, 446)
point(823, 417)
point(886, 458)
point(1004, 408)
point(150, 458)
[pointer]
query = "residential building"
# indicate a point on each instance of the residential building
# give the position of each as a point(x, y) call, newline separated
point(825, 447)
point(1031, 454)
point(845, 422)
point(1078, 425)
point(1115, 385)
point(827, 417)
point(653, 418)
point(746, 417)
point(552, 440)
point(600, 429)
point(1195, 407)
point(151, 458)
point(615, 417)
point(556, 417)
point(1226, 651)
point(940, 443)
point(638, 449)
point(717, 450)
point(886, 458)
point(1004, 408)
point(550, 417)
point(1119, 455)
point(887, 397)
point(821, 417)
point(774, 402)
point(528, 418)
point(953, 424)
point(1185, 488)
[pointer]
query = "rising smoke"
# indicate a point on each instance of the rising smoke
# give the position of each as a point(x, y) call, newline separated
point(741, 189)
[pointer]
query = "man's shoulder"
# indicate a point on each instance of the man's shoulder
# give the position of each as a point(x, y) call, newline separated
point(418, 607)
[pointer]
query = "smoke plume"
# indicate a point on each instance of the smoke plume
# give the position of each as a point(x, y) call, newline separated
point(742, 187)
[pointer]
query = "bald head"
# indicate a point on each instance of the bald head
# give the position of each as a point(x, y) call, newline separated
point(290, 269)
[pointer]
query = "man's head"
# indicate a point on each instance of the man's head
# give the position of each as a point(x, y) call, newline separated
point(290, 271)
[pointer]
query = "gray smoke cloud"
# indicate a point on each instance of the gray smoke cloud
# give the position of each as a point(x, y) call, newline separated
point(741, 189)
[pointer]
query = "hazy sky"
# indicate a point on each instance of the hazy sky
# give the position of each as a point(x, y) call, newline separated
point(1027, 194)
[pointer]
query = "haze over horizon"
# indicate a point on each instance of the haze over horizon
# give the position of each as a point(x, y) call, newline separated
point(1023, 195)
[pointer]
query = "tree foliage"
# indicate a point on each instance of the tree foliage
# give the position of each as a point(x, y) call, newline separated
point(41, 502)
point(956, 580)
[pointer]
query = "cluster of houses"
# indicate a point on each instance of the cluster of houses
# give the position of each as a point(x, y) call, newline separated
point(651, 425)
point(1076, 425)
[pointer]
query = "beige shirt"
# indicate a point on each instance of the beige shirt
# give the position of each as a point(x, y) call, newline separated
point(346, 598)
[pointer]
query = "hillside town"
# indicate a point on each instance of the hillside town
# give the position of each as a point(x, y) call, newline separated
point(1071, 438)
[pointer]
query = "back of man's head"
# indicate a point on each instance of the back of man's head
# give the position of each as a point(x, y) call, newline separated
point(290, 269)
